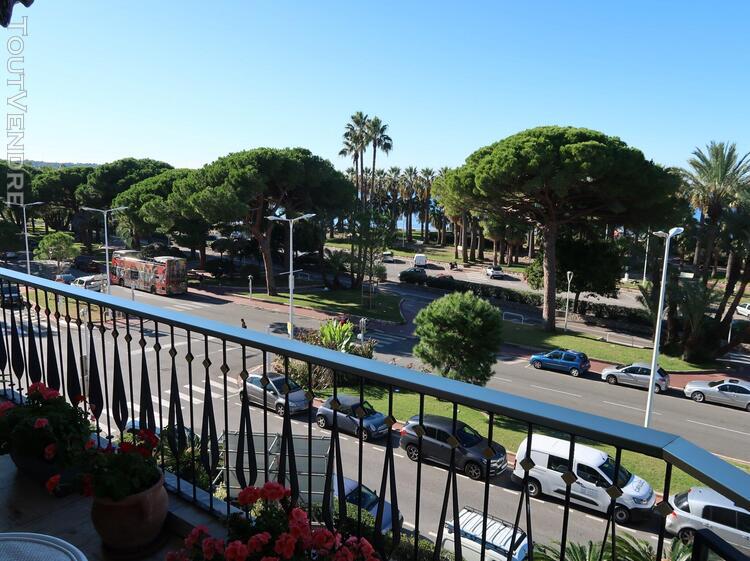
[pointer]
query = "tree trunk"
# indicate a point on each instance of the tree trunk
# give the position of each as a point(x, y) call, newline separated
point(697, 255)
point(502, 250)
point(265, 250)
point(409, 213)
point(472, 244)
point(549, 231)
point(531, 244)
point(202, 255)
point(731, 278)
point(455, 241)
point(711, 232)
point(494, 251)
point(726, 322)
point(464, 238)
point(480, 234)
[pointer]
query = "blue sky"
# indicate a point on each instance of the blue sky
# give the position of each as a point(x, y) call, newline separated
point(187, 81)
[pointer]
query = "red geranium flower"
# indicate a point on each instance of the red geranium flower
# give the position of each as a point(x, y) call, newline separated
point(249, 496)
point(285, 545)
point(194, 535)
point(324, 539)
point(52, 483)
point(40, 423)
point(258, 542)
point(6, 406)
point(209, 548)
point(235, 551)
point(273, 491)
point(148, 437)
point(343, 554)
point(50, 394)
point(89, 444)
point(49, 451)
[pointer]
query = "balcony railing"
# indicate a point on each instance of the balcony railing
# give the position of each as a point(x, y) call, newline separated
point(185, 377)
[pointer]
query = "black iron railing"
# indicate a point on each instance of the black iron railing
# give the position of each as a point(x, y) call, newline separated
point(192, 380)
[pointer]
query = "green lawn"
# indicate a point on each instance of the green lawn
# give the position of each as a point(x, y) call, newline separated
point(384, 306)
point(510, 433)
point(535, 337)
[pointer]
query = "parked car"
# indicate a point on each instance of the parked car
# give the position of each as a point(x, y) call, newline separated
point(569, 361)
point(387, 257)
point(347, 419)
point(91, 282)
point(272, 395)
point(10, 296)
point(420, 260)
point(65, 278)
point(702, 508)
point(494, 272)
point(594, 471)
point(437, 443)
point(413, 275)
point(86, 264)
point(499, 537)
point(729, 391)
point(8, 255)
point(365, 497)
point(637, 374)
point(744, 309)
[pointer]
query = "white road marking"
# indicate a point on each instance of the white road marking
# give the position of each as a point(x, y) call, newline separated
point(511, 491)
point(501, 379)
point(201, 391)
point(540, 501)
point(408, 525)
point(556, 391)
point(630, 407)
point(717, 427)
point(593, 518)
point(379, 448)
point(433, 534)
point(399, 455)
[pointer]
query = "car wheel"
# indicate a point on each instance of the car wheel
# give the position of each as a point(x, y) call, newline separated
point(622, 515)
point(473, 471)
point(412, 452)
point(280, 409)
point(365, 434)
point(537, 364)
point(698, 397)
point(575, 372)
point(533, 488)
point(747, 408)
point(686, 535)
point(612, 380)
point(322, 422)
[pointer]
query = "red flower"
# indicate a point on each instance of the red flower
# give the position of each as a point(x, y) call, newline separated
point(273, 491)
point(78, 399)
point(209, 548)
point(52, 483)
point(50, 394)
point(235, 551)
point(194, 535)
point(148, 437)
point(285, 545)
point(343, 554)
point(299, 525)
point(88, 485)
point(49, 451)
point(37, 387)
point(323, 539)
point(258, 542)
point(249, 496)
point(127, 447)
point(89, 444)
point(365, 548)
point(40, 423)
point(6, 406)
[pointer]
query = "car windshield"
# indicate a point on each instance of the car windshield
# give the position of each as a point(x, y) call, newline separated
point(716, 383)
point(279, 384)
point(608, 469)
point(468, 436)
point(662, 372)
point(363, 497)
point(369, 409)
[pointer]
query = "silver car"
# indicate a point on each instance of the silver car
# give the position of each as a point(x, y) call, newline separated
point(730, 391)
point(272, 395)
point(637, 374)
point(703, 508)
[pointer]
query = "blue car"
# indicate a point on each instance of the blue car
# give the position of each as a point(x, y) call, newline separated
point(573, 362)
point(368, 500)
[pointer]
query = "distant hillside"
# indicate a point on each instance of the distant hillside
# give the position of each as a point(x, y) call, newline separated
point(55, 165)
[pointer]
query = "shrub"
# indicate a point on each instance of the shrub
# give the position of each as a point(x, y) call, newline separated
point(405, 550)
point(412, 277)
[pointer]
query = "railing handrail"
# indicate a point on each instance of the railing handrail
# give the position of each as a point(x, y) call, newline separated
point(703, 465)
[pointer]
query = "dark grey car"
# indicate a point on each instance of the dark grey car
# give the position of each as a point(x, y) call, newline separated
point(347, 419)
point(438, 440)
point(272, 395)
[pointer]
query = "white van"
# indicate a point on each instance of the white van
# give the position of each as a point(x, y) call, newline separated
point(498, 542)
point(420, 260)
point(594, 471)
point(91, 282)
point(387, 257)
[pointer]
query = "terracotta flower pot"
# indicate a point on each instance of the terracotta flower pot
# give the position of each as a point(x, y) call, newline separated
point(41, 470)
point(134, 521)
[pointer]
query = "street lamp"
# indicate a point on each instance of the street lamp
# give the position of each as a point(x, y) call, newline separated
point(676, 231)
point(25, 230)
point(250, 284)
point(567, 299)
point(645, 259)
point(105, 212)
point(291, 263)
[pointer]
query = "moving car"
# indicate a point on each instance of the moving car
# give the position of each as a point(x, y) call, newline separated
point(420, 260)
point(65, 278)
point(573, 362)
point(637, 374)
point(91, 282)
point(702, 508)
point(272, 395)
point(729, 391)
point(347, 419)
point(413, 275)
point(594, 471)
point(368, 499)
point(438, 441)
point(387, 257)
point(10, 296)
point(744, 309)
point(494, 272)
point(499, 537)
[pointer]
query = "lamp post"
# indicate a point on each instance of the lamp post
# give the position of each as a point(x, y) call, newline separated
point(567, 299)
point(250, 285)
point(645, 259)
point(105, 212)
point(291, 222)
point(25, 230)
point(676, 231)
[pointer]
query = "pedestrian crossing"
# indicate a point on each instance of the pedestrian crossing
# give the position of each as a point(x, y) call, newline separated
point(186, 305)
point(385, 339)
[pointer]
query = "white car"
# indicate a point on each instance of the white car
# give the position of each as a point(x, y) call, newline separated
point(494, 272)
point(637, 374)
point(744, 309)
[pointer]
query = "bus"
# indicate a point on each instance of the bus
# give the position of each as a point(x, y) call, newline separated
point(160, 275)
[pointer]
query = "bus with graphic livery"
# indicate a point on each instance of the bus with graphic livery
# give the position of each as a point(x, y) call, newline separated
point(159, 275)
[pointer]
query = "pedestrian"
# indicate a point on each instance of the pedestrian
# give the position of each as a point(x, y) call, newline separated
point(244, 325)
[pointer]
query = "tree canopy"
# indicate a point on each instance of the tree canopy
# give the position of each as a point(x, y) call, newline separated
point(57, 188)
point(58, 247)
point(109, 180)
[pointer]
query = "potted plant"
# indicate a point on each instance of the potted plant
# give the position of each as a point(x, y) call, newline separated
point(128, 490)
point(43, 434)
point(277, 531)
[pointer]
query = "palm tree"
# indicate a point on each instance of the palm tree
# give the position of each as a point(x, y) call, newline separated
point(377, 135)
point(428, 176)
point(573, 552)
point(394, 189)
point(408, 189)
point(713, 181)
point(355, 144)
